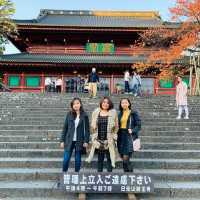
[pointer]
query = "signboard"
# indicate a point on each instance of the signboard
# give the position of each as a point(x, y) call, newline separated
point(107, 183)
point(100, 48)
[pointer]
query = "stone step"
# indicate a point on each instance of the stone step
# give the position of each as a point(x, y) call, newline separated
point(55, 127)
point(41, 174)
point(56, 137)
point(105, 197)
point(145, 119)
point(148, 153)
point(138, 163)
point(56, 133)
point(177, 123)
point(48, 189)
point(63, 115)
point(55, 145)
point(170, 139)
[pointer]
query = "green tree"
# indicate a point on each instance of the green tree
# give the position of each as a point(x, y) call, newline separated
point(7, 26)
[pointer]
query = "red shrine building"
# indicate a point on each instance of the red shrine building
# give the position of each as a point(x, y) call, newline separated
point(68, 44)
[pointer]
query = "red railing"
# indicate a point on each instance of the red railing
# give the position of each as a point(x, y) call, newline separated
point(80, 50)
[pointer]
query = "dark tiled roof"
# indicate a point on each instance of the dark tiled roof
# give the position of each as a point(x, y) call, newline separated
point(89, 19)
point(46, 58)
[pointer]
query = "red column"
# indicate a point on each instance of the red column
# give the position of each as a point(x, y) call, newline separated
point(42, 83)
point(5, 79)
point(112, 84)
point(156, 85)
point(63, 82)
point(22, 82)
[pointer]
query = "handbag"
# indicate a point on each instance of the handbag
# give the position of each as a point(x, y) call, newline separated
point(136, 142)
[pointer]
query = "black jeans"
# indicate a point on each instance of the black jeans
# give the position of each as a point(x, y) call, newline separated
point(101, 155)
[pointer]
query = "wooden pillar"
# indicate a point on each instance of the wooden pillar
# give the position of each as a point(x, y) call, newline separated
point(112, 84)
point(131, 196)
point(81, 196)
point(193, 84)
point(63, 82)
point(22, 82)
point(5, 79)
point(156, 85)
point(42, 83)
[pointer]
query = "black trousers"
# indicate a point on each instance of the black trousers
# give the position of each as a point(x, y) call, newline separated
point(101, 156)
point(58, 89)
point(127, 165)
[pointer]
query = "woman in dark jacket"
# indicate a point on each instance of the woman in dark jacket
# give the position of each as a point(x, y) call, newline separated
point(129, 127)
point(75, 134)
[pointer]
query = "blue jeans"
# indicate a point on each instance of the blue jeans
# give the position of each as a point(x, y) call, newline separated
point(135, 89)
point(67, 157)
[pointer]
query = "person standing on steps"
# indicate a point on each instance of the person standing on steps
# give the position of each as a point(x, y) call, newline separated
point(104, 128)
point(47, 84)
point(93, 80)
point(129, 127)
point(126, 81)
point(75, 134)
point(181, 98)
point(58, 85)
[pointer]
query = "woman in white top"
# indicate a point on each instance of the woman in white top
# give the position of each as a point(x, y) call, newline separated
point(75, 134)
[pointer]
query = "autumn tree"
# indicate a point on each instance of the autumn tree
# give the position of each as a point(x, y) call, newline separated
point(7, 26)
point(175, 39)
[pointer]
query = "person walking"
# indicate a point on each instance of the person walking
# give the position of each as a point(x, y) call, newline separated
point(93, 80)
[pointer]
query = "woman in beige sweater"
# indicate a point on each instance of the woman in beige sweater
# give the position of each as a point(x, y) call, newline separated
point(104, 128)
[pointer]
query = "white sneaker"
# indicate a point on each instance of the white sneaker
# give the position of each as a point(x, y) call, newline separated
point(179, 117)
point(186, 117)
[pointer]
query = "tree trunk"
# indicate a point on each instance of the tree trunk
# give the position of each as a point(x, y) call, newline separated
point(190, 83)
point(197, 75)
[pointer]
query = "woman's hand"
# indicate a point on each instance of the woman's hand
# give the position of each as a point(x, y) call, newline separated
point(62, 145)
point(130, 131)
point(85, 145)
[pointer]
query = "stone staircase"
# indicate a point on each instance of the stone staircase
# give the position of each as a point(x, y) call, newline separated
point(31, 160)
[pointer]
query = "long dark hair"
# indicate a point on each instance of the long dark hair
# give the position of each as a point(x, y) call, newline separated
point(73, 112)
point(120, 106)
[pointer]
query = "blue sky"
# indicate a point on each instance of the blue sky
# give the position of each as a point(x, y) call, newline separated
point(29, 9)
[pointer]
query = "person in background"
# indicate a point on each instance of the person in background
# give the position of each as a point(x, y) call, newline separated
point(75, 134)
point(126, 81)
point(58, 85)
point(47, 84)
point(139, 85)
point(134, 84)
point(93, 80)
point(129, 127)
point(181, 98)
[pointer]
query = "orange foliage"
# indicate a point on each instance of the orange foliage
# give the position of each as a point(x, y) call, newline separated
point(171, 42)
